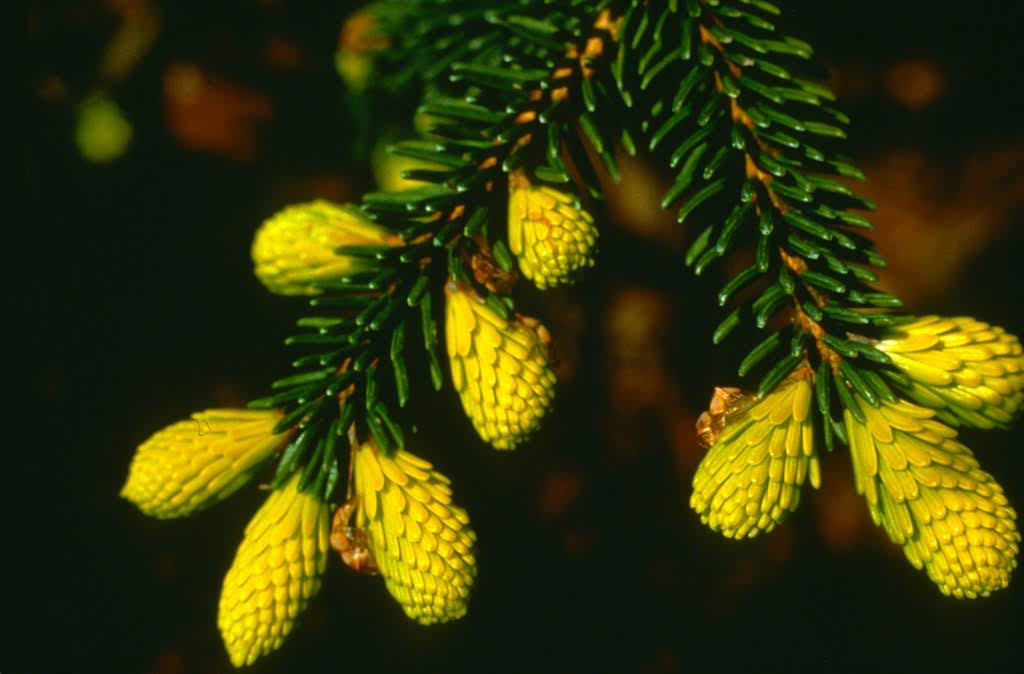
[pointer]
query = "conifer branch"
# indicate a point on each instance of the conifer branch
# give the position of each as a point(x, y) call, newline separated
point(517, 96)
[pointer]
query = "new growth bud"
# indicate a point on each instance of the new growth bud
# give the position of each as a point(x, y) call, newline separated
point(277, 570)
point(195, 463)
point(421, 541)
point(499, 367)
point(296, 247)
point(550, 233)
point(761, 454)
point(969, 372)
point(928, 493)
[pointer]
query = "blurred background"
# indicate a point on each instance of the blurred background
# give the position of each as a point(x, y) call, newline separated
point(158, 135)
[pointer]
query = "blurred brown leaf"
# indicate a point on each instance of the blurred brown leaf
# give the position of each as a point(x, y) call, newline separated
point(634, 203)
point(636, 324)
point(914, 83)
point(933, 218)
point(281, 53)
point(204, 112)
point(138, 30)
point(559, 491)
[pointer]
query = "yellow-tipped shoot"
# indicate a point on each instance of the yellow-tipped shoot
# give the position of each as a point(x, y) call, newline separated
point(928, 493)
point(499, 367)
point(420, 540)
point(277, 570)
point(296, 247)
point(751, 477)
point(197, 462)
point(552, 236)
point(969, 372)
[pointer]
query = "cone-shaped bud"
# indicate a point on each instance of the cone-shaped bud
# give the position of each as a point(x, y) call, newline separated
point(970, 372)
point(421, 541)
point(928, 493)
point(549, 232)
point(277, 569)
point(499, 367)
point(200, 461)
point(295, 248)
point(751, 477)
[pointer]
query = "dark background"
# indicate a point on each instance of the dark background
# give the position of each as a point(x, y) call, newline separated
point(140, 307)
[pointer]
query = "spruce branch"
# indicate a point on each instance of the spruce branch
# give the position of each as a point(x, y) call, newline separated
point(524, 108)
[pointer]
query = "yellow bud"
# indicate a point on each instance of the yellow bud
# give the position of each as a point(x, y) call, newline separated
point(928, 493)
point(420, 540)
point(970, 372)
point(499, 367)
point(550, 234)
point(751, 477)
point(102, 132)
point(354, 68)
point(200, 461)
point(277, 570)
point(295, 248)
